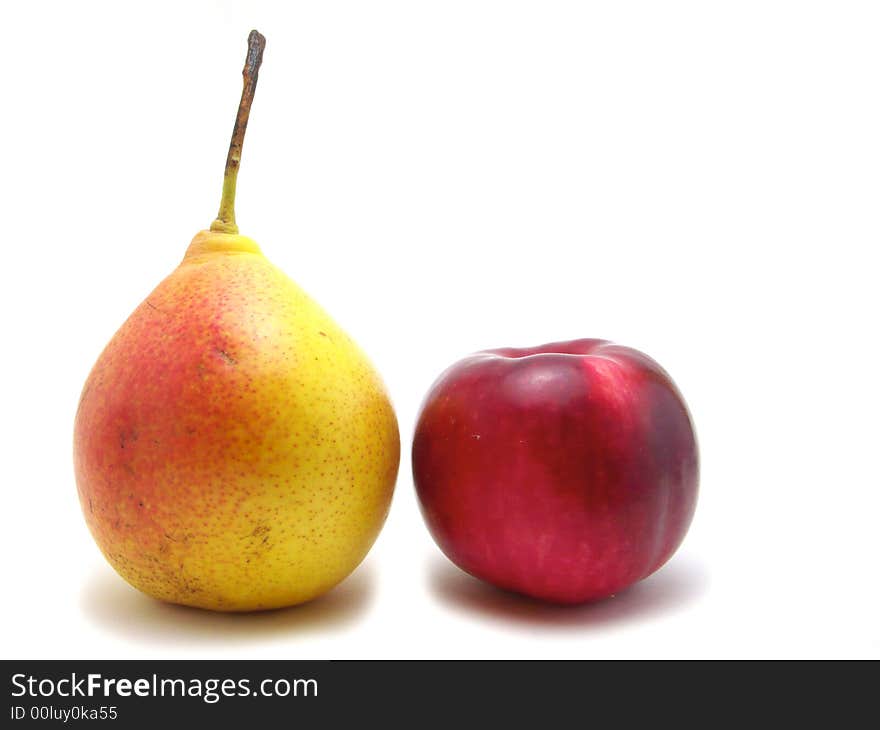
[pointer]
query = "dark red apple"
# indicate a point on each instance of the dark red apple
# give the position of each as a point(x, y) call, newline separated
point(566, 472)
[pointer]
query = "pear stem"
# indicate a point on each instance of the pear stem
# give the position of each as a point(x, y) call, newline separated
point(225, 222)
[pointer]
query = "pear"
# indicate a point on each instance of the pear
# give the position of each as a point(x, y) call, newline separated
point(234, 449)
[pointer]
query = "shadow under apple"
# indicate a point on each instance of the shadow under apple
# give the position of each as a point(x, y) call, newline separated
point(109, 602)
point(678, 583)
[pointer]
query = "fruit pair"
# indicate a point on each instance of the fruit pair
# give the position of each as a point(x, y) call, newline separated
point(235, 450)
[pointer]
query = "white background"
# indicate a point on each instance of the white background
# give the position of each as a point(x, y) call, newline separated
point(697, 180)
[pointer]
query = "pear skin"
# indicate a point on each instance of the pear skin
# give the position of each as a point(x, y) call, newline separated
point(233, 448)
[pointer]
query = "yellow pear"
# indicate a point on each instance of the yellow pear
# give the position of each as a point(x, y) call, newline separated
point(234, 449)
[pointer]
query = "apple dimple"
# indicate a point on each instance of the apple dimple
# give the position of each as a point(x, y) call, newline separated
point(574, 347)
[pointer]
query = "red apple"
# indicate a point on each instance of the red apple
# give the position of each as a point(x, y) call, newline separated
point(566, 472)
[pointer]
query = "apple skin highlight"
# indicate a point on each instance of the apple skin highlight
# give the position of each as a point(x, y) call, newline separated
point(565, 472)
